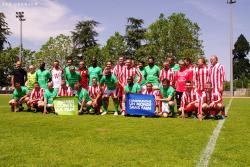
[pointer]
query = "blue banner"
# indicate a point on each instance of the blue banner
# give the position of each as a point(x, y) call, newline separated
point(138, 104)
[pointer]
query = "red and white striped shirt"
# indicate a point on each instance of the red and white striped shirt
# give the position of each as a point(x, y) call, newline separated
point(213, 96)
point(188, 97)
point(117, 70)
point(191, 70)
point(37, 94)
point(201, 77)
point(217, 76)
point(126, 72)
point(67, 91)
point(169, 74)
point(153, 92)
point(94, 91)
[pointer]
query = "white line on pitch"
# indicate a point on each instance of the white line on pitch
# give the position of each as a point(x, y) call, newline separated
point(206, 154)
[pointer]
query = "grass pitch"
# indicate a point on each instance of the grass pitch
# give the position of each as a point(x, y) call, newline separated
point(34, 139)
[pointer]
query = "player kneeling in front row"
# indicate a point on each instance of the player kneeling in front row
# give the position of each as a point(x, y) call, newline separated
point(36, 97)
point(64, 90)
point(110, 85)
point(20, 96)
point(150, 91)
point(49, 95)
point(166, 98)
point(212, 102)
point(83, 97)
point(95, 94)
point(130, 88)
point(189, 101)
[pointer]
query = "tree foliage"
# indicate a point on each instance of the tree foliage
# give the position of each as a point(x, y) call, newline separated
point(175, 34)
point(58, 48)
point(241, 65)
point(91, 52)
point(8, 58)
point(4, 31)
point(135, 34)
point(115, 47)
point(84, 35)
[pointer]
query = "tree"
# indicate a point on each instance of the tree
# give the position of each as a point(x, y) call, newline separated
point(135, 34)
point(241, 65)
point(58, 48)
point(4, 31)
point(115, 47)
point(8, 58)
point(176, 35)
point(91, 52)
point(84, 36)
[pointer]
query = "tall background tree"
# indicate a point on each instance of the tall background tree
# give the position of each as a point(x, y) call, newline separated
point(84, 38)
point(176, 35)
point(57, 48)
point(115, 46)
point(135, 34)
point(4, 31)
point(241, 65)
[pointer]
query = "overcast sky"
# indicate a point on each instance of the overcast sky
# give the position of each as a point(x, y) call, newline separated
point(45, 18)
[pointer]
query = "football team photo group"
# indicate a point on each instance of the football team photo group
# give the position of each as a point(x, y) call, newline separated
point(124, 83)
point(180, 87)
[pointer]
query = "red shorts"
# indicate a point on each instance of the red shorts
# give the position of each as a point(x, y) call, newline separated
point(189, 108)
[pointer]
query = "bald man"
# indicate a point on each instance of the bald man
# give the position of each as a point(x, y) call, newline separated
point(217, 74)
point(18, 75)
point(49, 95)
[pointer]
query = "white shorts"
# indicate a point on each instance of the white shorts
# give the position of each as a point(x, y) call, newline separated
point(108, 92)
point(143, 88)
point(165, 107)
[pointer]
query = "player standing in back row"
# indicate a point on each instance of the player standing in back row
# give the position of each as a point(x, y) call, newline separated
point(56, 74)
point(152, 72)
point(217, 74)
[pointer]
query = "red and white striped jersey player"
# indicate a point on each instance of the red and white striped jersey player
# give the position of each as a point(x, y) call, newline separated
point(150, 91)
point(118, 68)
point(201, 75)
point(217, 74)
point(189, 100)
point(64, 90)
point(212, 101)
point(95, 94)
point(128, 71)
point(167, 72)
point(36, 96)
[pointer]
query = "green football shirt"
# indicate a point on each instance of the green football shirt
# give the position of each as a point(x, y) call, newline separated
point(83, 95)
point(110, 82)
point(17, 94)
point(66, 70)
point(43, 78)
point(170, 91)
point(31, 78)
point(175, 67)
point(50, 94)
point(143, 73)
point(133, 89)
point(72, 78)
point(94, 72)
point(152, 74)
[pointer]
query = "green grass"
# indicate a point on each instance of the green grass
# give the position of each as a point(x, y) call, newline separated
point(233, 145)
point(33, 139)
